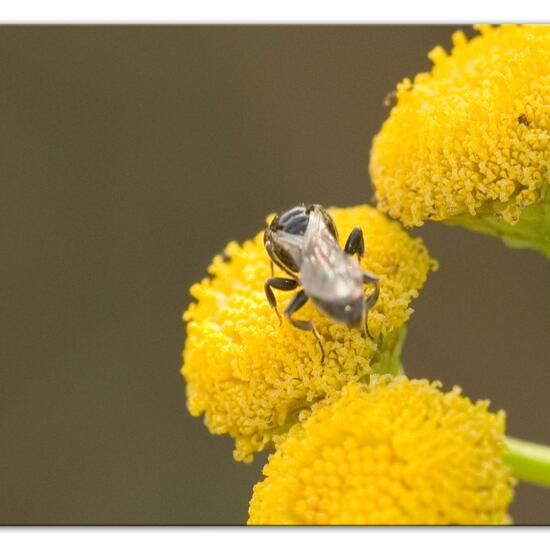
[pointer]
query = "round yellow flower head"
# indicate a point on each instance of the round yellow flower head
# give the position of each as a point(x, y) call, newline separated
point(393, 452)
point(469, 142)
point(253, 377)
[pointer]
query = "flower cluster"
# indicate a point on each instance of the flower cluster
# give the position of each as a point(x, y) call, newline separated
point(252, 377)
point(392, 452)
point(356, 442)
point(469, 142)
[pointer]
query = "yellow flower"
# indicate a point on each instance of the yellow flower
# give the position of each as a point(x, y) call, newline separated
point(394, 452)
point(469, 142)
point(252, 377)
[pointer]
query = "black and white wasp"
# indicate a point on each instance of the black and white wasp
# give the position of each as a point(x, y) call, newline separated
point(303, 242)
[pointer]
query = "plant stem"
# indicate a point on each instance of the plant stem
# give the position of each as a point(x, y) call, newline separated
point(531, 231)
point(529, 461)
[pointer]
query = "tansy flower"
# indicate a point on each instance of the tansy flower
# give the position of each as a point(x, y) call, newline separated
point(469, 142)
point(393, 452)
point(251, 376)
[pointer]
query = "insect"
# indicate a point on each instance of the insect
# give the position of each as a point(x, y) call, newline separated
point(303, 242)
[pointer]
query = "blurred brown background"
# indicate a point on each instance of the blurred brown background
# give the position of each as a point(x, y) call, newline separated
point(129, 156)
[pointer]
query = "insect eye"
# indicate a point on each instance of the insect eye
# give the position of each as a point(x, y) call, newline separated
point(284, 258)
point(329, 222)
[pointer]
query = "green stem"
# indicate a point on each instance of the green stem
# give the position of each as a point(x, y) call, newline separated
point(388, 358)
point(529, 461)
point(531, 231)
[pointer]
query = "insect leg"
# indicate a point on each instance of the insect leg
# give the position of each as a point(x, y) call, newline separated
point(279, 283)
point(299, 299)
point(272, 269)
point(369, 278)
point(355, 243)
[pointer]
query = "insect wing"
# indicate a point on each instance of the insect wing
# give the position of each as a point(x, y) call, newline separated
point(292, 244)
point(327, 272)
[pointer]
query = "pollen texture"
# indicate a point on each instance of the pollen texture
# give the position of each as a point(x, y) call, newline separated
point(392, 452)
point(471, 137)
point(252, 377)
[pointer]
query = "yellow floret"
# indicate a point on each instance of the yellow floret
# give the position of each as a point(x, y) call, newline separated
point(472, 137)
point(393, 452)
point(252, 377)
